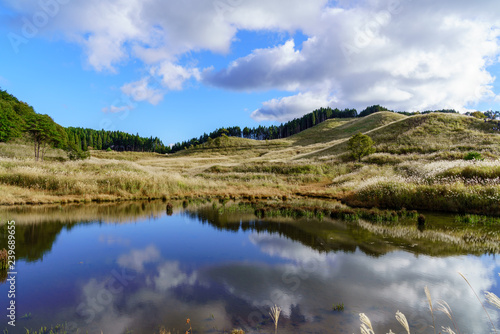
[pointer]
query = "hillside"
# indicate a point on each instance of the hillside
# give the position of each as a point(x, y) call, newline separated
point(419, 164)
point(433, 133)
point(336, 129)
point(21, 125)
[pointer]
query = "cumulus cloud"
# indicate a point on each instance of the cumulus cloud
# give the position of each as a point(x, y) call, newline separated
point(170, 276)
point(141, 90)
point(264, 68)
point(137, 258)
point(159, 30)
point(407, 55)
point(99, 307)
point(365, 281)
point(303, 281)
point(286, 108)
point(173, 76)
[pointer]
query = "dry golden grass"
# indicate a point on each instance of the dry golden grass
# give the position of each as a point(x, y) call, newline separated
point(414, 153)
point(21, 149)
point(94, 179)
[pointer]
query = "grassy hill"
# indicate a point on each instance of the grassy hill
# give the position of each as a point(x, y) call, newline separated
point(430, 135)
point(418, 165)
point(336, 129)
point(437, 133)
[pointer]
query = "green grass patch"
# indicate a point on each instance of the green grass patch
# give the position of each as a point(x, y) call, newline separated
point(473, 172)
point(338, 307)
point(477, 220)
point(450, 198)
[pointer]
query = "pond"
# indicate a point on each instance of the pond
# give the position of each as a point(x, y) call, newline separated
point(132, 268)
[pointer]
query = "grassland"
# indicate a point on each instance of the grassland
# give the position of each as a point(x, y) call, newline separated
point(418, 165)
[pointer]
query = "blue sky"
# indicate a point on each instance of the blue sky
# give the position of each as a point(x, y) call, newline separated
point(176, 69)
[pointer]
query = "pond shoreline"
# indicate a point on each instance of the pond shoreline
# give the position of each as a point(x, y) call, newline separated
point(350, 200)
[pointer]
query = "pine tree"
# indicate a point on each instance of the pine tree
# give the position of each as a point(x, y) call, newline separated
point(77, 141)
point(99, 142)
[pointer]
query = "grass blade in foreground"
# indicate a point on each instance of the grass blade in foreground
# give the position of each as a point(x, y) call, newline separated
point(479, 302)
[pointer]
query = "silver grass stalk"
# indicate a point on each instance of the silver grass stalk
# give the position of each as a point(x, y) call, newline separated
point(492, 299)
point(484, 308)
point(448, 330)
point(365, 324)
point(428, 294)
point(275, 315)
point(402, 320)
point(365, 330)
point(446, 309)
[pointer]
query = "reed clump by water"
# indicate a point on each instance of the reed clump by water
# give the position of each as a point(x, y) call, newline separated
point(449, 198)
point(293, 210)
point(477, 220)
point(451, 186)
point(3, 259)
point(338, 307)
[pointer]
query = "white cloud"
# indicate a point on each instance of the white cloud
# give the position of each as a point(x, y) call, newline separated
point(99, 305)
point(173, 76)
point(115, 109)
point(290, 107)
point(157, 30)
point(103, 53)
point(364, 281)
point(262, 69)
point(171, 276)
point(142, 91)
point(138, 257)
point(407, 55)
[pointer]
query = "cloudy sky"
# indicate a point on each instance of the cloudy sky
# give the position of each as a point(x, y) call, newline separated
point(175, 69)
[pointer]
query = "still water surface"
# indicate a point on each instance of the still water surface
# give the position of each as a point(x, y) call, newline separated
point(119, 269)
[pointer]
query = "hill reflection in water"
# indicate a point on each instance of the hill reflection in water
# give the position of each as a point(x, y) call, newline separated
point(132, 266)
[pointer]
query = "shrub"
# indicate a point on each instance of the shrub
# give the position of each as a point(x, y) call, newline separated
point(75, 153)
point(421, 219)
point(360, 145)
point(473, 156)
point(3, 259)
point(170, 209)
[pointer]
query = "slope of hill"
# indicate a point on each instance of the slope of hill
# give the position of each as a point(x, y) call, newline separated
point(419, 164)
point(424, 134)
point(438, 132)
point(336, 129)
point(20, 124)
